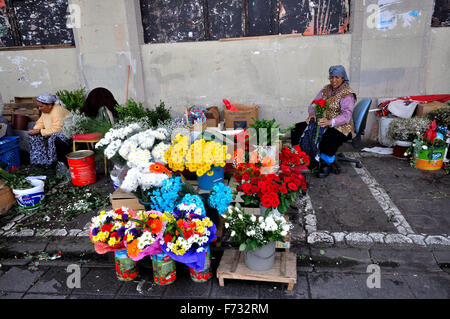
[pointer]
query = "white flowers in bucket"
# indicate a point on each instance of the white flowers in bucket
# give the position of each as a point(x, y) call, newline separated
point(252, 231)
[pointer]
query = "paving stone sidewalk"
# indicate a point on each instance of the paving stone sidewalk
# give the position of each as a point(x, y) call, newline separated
point(386, 213)
point(321, 273)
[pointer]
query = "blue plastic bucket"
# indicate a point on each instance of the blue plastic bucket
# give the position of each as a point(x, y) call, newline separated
point(206, 182)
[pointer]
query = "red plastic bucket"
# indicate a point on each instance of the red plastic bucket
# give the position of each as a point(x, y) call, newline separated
point(82, 167)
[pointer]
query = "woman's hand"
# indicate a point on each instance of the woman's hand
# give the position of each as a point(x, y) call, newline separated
point(311, 116)
point(323, 122)
point(34, 132)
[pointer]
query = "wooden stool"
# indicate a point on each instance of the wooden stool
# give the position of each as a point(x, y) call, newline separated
point(89, 138)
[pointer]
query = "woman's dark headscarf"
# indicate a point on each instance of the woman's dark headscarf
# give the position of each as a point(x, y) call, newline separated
point(97, 98)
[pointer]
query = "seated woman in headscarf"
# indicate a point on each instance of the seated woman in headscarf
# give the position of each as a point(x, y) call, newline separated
point(336, 127)
point(47, 143)
point(100, 104)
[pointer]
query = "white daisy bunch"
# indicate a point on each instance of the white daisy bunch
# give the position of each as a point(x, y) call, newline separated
point(103, 218)
point(137, 149)
point(190, 208)
point(252, 231)
point(159, 151)
point(115, 137)
point(146, 239)
point(138, 177)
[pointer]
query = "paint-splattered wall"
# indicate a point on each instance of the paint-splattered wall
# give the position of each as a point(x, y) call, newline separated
point(441, 14)
point(199, 20)
point(6, 38)
point(34, 22)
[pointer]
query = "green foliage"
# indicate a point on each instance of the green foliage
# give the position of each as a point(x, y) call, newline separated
point(442, 117)
point(266, 128)
point(73, 100)
point(15, 180)
point(133, 111)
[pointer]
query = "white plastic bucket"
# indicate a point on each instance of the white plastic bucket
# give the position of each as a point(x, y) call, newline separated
point(30, 198)
point(383, 128)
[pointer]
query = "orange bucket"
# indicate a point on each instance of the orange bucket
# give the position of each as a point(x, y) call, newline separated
point(82, 167)
point(428, 165)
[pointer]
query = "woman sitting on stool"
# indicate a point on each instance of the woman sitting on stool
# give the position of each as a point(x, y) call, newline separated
point(337, 123)
point(47, 143)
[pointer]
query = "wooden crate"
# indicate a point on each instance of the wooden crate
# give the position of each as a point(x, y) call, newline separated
point(121, 199)
point(28, 99)
point(232, 266)
point(7, 199)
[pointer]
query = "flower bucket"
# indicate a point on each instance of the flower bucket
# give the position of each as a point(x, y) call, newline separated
point(262, 210)
point(210, 178)
point(126, 269)
point(430, 160)
point(205, 274)
point(400, 147)
point(261, 258)
point(147, 205)
point(30, 198)
point(164, 269)
point(82, 167)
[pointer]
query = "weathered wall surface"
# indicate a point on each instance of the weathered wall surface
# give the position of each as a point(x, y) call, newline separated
point(281, 75)
point(31, 72)
point(107, 43)
point(437, 79)
point(391, 51)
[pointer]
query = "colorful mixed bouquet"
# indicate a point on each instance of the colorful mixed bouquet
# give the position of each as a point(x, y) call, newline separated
point(252, 231)
point(432, 140)
point(220, 197)
point(187, 235)
point(273, 191)
point(199, 157)
point(320, 107)
point(107, 230)
point(143, 233)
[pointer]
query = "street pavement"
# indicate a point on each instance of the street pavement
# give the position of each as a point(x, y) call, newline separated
point(379, 232)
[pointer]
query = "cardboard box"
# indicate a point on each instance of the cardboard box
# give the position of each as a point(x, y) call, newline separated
point(7, 199)
point(121, 199)
point(425, 108)
point(242, 118)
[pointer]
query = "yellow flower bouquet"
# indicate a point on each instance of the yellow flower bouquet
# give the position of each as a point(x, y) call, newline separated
point(199, 157)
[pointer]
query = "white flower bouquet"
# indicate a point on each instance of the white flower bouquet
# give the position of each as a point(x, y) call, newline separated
point(252, 232)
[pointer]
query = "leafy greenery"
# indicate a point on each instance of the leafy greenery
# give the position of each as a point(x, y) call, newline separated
point(442, 117)
point(15, 180)
point(266, 128)
point(73, 100)
point(133, 111)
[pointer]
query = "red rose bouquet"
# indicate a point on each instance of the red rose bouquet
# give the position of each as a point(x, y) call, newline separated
point(320, 107)
point(273, 191)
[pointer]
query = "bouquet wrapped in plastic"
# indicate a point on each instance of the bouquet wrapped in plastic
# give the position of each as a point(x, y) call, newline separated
point(143, 234)
point(187, 235)
point(107, 230)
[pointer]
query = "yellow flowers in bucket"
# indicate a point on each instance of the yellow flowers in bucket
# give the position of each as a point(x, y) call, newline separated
point(198, 157)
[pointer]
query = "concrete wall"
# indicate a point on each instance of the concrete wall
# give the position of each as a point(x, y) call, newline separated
point(281, 75)
point(31, 72)
point(107, 44)
point(437, 80)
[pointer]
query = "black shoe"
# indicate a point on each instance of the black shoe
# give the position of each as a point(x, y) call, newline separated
point(324, 170)
point(335, 168)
